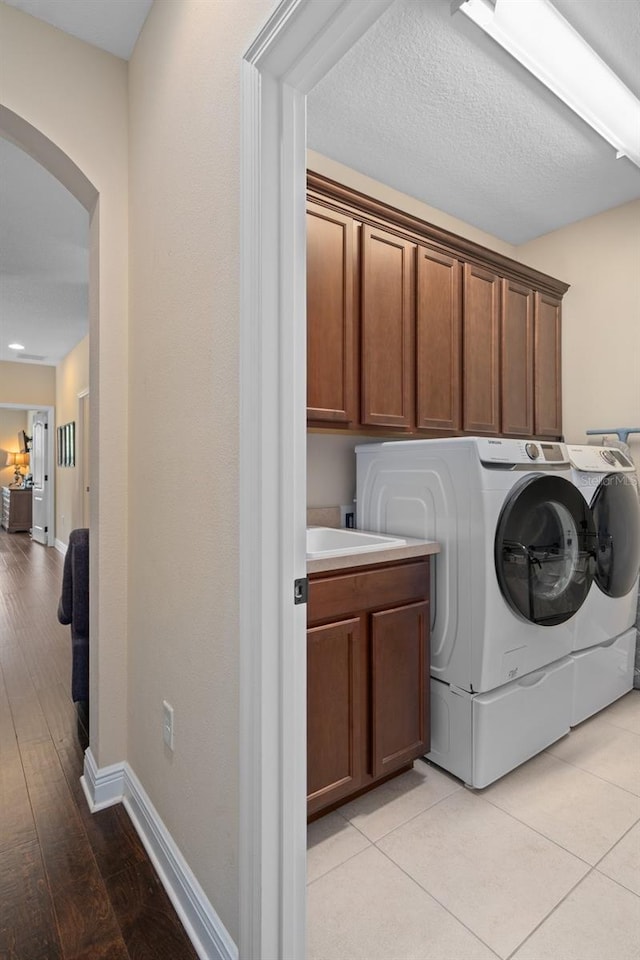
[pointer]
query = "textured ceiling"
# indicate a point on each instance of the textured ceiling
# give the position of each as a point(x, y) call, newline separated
point(427, 103)
point(44, 261)
point(424, 102)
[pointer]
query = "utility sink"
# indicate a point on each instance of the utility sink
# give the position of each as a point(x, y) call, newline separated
point(332, 542)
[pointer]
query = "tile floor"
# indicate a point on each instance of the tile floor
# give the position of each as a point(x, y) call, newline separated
point(542, 865)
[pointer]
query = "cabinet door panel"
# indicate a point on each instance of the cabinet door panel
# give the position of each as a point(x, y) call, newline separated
point(334, 726)
point(481, 347)
point(399, 686)
point(516, 361)
point(331, 353)
point(438, 319)
point(546, 365)
point(387, 329)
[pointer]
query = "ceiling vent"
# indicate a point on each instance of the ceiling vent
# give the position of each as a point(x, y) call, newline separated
point(30, 356)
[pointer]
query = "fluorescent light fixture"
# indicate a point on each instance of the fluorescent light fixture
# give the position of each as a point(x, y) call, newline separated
point(540, 38)
point(16, 346)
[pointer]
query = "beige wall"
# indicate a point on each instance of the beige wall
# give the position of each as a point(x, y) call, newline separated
point(373, 188)
point(331, 464)
point(183, 453)
point(31, 384)
point(600, 258)
point(72, 378)
point(54, 86)
point(11, 421)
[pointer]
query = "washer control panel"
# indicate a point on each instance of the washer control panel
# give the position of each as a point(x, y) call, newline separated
point(591, 459)
point(515, 452)
point(533, 451)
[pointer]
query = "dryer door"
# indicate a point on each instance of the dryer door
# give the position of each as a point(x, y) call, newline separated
point(544, 550)
point(616, 513)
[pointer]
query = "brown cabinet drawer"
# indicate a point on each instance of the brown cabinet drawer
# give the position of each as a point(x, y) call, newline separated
point(335, 595)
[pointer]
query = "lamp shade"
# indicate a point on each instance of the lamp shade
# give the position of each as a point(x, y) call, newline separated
point(21, 459)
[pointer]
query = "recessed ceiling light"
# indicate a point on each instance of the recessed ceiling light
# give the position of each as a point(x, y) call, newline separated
point(16, 346)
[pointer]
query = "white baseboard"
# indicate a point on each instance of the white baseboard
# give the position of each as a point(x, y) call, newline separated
point(118, 784)
point(60, 546)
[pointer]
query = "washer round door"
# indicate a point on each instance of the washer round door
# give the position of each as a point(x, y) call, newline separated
point(616, 514)
point(544, 550)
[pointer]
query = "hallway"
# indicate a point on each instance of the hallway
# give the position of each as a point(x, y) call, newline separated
point(72, 884)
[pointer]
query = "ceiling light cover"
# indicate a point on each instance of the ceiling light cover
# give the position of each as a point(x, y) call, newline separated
point(539, 37)
point(16, 346)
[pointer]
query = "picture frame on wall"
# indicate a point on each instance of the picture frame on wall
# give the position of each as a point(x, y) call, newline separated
point(67, 444)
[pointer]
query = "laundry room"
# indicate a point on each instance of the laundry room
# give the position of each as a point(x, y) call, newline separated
point(474, 396)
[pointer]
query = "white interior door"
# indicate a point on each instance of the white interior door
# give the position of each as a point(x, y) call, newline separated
point(39, 469)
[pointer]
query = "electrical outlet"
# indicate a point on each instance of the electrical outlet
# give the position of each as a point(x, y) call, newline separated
point(347, 516)
point(167, 724)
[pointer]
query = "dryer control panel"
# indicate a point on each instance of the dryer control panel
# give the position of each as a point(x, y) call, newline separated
point(591, 459)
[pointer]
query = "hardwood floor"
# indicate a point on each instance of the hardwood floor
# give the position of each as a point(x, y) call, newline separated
point(73, 885)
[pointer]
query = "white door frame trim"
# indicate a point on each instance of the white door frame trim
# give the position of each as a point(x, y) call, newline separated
point(51, 471)
point(299, 44)
point(81, 480)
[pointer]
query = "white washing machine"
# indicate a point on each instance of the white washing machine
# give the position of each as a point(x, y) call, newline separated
point(605, 637)
point(515, 566)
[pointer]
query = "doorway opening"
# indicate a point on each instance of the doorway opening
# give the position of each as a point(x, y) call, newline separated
point(299, 44)
point(41, 469)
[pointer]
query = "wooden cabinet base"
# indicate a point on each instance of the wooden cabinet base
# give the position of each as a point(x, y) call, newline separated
point(358, 793)
point(367, 678)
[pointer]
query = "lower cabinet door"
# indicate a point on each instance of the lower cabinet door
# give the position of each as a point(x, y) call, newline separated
point(399, 686)
point(334, 729)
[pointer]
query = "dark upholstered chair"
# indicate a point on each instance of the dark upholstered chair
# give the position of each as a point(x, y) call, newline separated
point(74, 609)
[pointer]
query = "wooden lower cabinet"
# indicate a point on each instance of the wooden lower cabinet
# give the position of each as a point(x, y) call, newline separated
point(367, 678)
point(334, 692)
point(399, 687)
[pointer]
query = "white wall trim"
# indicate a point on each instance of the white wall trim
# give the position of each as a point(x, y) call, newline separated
point(102, 786)
point(118, 784)
point(298, 45)
point(60, 546)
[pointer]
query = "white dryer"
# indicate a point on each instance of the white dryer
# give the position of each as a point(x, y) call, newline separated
point(515, 566)
point(605, 636)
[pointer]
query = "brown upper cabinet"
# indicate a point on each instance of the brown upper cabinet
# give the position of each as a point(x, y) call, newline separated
point(546, 366)
point(481, 350)
point(386, 329)
point(331, 330)
point(416, 331)
point(438, 341)
point(516, 359)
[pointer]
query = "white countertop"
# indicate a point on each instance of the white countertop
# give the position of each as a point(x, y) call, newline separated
point(411, 549)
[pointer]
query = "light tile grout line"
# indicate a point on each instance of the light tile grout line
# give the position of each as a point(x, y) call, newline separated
point(435, 899)
point(591, 867)
point(590, 870)
point(584, 769)
point(409, 877)
point(557, 842)
point(373, 843)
